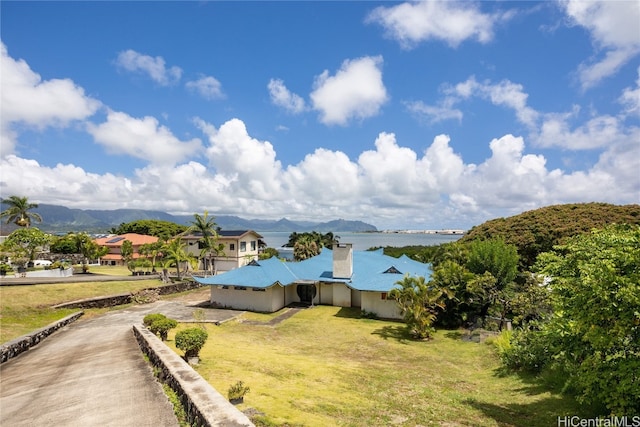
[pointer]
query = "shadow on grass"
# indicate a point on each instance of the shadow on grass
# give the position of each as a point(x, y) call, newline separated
point(398, 333)
point(349, 313)
point(542, 412)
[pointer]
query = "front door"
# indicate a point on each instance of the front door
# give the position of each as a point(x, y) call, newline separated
point(306, 293)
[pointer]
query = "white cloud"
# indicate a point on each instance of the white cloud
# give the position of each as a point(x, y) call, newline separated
point(613, 26)
point(206, 86)
point(451, 22)
point(282, 97)
point(155, 68)
point(504, 93)
point(435, 113)
point(355, 92)
point(389, 185)
point(143, 138)
point(249, 165)
point(27, 99)
point(630, 98)
point(600, 131)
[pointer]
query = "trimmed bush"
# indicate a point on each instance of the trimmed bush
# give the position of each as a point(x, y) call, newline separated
point(161, 327)
point(191, 341)
point(152, 317)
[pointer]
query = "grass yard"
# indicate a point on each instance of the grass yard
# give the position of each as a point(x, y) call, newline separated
point(26, 308)
point(325, 366)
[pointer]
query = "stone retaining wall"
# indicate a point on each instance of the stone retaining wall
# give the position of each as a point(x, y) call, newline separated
point(113, 300)
point(21, 344)
point(203, 404)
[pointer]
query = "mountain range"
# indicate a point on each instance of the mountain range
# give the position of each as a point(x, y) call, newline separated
point(57, 218)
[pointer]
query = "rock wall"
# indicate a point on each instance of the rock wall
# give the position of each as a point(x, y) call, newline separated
point(203, 404)
point(19, 345)
point(113, 300)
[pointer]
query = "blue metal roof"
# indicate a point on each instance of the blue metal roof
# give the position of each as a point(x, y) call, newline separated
point(370, 272)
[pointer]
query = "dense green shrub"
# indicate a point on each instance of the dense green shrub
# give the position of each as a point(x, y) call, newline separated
point(161, 327)
point(191, 341)
point(152, 317)
point(593, 335)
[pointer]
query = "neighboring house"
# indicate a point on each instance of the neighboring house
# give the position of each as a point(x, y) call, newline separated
point(340, 277)
point(239, 248)
point(114, 243)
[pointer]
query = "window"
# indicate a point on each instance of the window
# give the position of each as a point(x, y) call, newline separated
point(259, 290)
point(240, 288)
point(253, 245)
point(232, 246)
point(225, 287)
point(243, 246)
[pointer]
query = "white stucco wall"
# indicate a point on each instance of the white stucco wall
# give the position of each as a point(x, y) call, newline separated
point(356, 298)
point(326, 294)
point(272, 299)
point(341, 295)
point(384, 308)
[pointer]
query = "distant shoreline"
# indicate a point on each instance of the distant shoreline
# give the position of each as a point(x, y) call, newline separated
point(447, 232)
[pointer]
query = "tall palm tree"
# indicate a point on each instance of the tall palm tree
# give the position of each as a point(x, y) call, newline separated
point(174, 253)
point(208, 243)
point(18, 211)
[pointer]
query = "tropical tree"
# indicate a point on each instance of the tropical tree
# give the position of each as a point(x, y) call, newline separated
point(25, 243)
point(595, 286)
point(126, 251)
point(151, 227)
point(18, 211)
point(419, 303)
point(208, 243)
point(305, 247)
point(175, 254)
point(152, 250)
point(495, 264)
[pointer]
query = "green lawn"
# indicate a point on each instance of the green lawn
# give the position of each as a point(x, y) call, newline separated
point(26, 308)
point(324, 366)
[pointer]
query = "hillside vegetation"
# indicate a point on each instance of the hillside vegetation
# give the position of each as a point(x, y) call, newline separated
point(537, 231)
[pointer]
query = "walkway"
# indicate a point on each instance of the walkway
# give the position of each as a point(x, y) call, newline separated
point(92, 373)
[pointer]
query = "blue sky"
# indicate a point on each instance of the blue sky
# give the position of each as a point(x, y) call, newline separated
point(404, 115)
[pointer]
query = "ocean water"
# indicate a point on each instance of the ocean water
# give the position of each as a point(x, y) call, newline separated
point(364, 241)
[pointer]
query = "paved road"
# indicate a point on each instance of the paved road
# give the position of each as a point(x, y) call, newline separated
point(91, 373)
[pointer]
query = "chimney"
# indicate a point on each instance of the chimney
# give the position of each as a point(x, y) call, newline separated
point(342, 261)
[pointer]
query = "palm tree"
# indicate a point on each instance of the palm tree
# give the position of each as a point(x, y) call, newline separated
point(208, 243)
point(18, 211)
point(174, 253)
point(305, 247)
point(419, 303)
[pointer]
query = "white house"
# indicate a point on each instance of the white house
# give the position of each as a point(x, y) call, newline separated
point(339, 277)
point(238, 248)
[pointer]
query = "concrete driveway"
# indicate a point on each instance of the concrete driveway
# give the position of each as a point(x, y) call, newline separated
point(92, 373)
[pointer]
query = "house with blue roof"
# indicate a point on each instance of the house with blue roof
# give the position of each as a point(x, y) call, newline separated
point(340, 277)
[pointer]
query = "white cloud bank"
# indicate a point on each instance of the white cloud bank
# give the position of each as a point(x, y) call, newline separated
point(389, 185)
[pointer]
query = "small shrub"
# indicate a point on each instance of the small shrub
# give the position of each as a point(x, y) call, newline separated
point(237, 391)
point(152, 317)
point(368, 314)
point(161, 327)
point(191, 341)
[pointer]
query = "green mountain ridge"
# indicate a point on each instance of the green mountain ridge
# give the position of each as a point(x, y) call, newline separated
point(60, 219)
